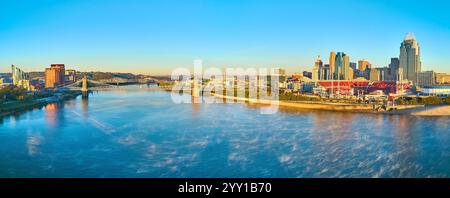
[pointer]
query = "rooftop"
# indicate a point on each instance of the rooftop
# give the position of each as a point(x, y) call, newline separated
point(410, 36)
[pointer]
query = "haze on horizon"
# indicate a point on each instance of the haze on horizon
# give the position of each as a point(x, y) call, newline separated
point(156, 36)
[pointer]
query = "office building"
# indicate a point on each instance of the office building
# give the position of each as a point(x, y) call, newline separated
point(410, 58)
point(332, 65)
point(55, 76)
point(374, 74)
point(318, 72)
point(394, 69)
point(342, 66)
point(426, 78)
point(363, 65)
point(346, 67)
point(339, 65)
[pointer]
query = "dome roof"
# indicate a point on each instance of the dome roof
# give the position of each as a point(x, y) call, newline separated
point(410, 36)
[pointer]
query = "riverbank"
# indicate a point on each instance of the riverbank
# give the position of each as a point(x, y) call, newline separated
point(313, 105)
point(12, 107)
point(436, 110)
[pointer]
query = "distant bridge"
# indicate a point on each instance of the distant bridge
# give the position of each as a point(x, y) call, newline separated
point(96, 85)
point(91, 84)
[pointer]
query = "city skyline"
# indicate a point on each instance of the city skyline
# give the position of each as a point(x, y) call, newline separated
point(152, 37)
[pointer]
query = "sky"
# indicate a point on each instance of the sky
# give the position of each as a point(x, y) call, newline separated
point(157, 36)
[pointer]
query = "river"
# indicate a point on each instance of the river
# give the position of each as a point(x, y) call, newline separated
point(142, 133)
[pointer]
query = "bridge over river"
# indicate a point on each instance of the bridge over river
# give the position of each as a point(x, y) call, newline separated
point(97, 85)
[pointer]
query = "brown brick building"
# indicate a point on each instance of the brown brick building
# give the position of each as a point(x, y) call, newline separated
point(54, 76)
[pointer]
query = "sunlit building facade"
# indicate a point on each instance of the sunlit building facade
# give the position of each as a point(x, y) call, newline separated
point(364, 64)
point(17, 75)
point(54, 76)
point(426, 78)
point(410, 58)
point(332, 65)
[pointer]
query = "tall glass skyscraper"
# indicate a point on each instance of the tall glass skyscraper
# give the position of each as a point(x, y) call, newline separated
point(18, 75)
point(339, 64)
point(410, 58)
point(342, 66)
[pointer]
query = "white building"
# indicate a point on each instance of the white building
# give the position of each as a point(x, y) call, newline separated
point(438, 90)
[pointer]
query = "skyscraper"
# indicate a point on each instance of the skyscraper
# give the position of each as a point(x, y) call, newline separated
point(332, 64)
point(318, 70)
point(394, 69)
point(339, 64)
point(346, 67)
point(342, 66)
point(410, 58)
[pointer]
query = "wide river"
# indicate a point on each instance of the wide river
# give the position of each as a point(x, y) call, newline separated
point(142, 133)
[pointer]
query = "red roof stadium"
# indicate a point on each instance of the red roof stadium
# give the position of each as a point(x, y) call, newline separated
point(367, 86)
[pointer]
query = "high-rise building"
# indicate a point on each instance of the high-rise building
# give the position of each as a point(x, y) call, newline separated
point(332, 64)
point(339, 64)
point(394, 69)
point(426, 78)
point(346, 67)
point(383, 73)
point(318, 70)
point(342, 66)
point(20, 78)
point(18, 75)
point(410, 58)
point(55, 75)
point(351, 73)
point(374, 74)
point(363, 64)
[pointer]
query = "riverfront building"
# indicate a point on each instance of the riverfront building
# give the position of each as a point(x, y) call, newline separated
point(54, 76)
point(443, 91)
point(353, 87)
point(18, 75)
point(20, 78)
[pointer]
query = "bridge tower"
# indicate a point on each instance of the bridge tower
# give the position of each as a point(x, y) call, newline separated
point(84, 87)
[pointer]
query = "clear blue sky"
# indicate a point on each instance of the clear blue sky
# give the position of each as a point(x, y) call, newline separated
point(153, 37)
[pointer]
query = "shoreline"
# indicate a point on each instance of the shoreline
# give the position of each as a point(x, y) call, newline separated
point(20, 106)
point(417, 110)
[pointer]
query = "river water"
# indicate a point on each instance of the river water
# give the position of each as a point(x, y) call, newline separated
point(142, 133)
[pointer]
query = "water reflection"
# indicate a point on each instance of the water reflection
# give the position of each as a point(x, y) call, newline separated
point(53, 112)
point(84, 106)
